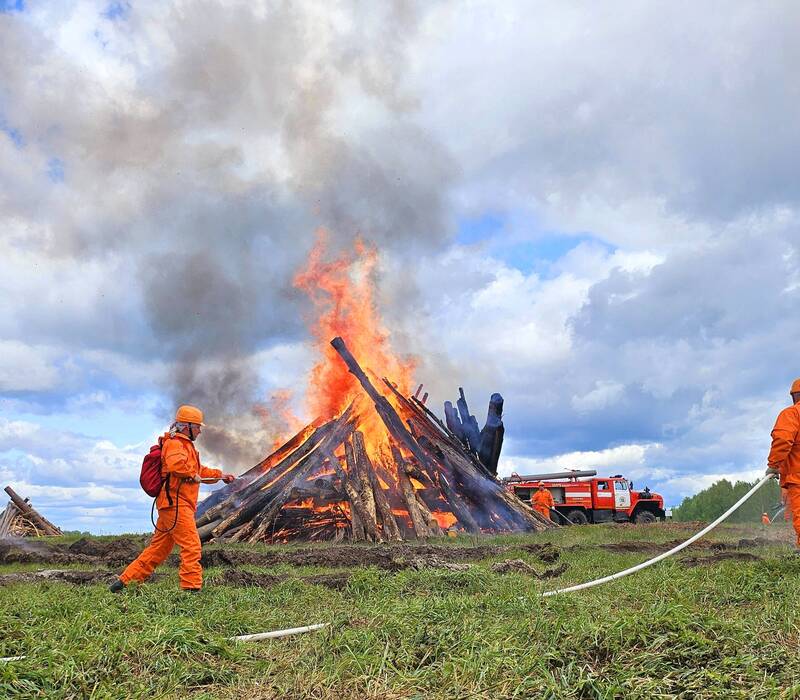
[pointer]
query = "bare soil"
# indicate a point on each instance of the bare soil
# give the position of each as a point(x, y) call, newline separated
point(80, 578)
point(388, 557)
point(520, 566)
point(658, 547)
point(19, 551)
point(719, 557)
point(247, 579)
point(117, 552)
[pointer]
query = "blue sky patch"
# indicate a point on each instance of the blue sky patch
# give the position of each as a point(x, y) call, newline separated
point(55, 169)
point(520, 243)
point(117, 10)
point(12, 5)
point(481, 228)
point(14, 134)
point(539, 254)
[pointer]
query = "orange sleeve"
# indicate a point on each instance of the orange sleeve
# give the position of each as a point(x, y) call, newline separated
point(784, 436)
point(550, 500)
point(175, 459)
point(209, 473)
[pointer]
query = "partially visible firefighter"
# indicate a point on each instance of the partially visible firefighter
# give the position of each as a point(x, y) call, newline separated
point(784, 457)
point(542, 501)
point(181, 474)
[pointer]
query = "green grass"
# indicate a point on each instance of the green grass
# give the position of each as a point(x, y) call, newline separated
point(730, 630)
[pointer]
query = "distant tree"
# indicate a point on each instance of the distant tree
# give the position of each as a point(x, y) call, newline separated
point(712, 502)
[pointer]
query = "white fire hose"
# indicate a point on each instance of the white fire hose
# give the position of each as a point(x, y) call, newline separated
point(674, 550)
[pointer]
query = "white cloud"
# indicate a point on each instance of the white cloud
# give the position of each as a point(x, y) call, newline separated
point(235, 129)
point(627, 459)
point(605, 393)
point(26, 368)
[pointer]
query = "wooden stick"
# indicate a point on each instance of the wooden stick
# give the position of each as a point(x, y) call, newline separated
point(370, 526)
point(357, 531)
point(419, 521)
point(460, 509)
point(237, 493)
point(261, 523)
point(333, 438)
point(362, 468)
point(391, 530)
point(31, 514)
point(388, 415)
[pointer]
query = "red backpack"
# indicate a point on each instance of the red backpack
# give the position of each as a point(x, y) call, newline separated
point(150, 477)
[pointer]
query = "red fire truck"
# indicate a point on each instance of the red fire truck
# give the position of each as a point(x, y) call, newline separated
point(580, 497)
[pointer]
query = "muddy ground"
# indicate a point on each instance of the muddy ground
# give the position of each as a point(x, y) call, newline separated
point(122, 550)
point(646, 547)
point(113, 554)
point(719, 557)
point(244, 579)
point(79, 578)
point(389, 558)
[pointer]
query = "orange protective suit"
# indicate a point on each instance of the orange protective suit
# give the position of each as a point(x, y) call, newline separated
point(542, 502)
point(785, 457)
point(180, 462)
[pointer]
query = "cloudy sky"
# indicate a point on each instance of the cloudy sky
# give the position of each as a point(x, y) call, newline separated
point(592, 208)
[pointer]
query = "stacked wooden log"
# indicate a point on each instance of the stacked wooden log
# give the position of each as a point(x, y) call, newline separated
point(411, 477)
point(485, 443)
point(21, 519)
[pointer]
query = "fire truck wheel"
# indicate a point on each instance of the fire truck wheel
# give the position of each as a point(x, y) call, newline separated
point(577, 517)
point(644, 517)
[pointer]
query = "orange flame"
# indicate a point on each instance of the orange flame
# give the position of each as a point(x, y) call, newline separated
point(344, 297)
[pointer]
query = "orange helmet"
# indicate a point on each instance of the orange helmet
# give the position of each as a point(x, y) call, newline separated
point(189, 414)
point(795, 387)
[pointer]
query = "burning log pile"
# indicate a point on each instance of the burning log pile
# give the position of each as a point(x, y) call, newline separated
point(385, 470)
point(20, 519)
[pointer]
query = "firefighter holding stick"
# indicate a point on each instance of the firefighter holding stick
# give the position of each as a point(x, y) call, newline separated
point(543, 501)
point(181, 475)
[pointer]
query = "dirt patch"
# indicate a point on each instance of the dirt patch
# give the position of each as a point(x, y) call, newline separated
point(79, 578)
point(658, 547)
point(518, 566)
point(719, 557)
point(431, 561)
point(18, 551)
point(388, 557)
point(335, 582)
point(116, 552)
point(247, 579)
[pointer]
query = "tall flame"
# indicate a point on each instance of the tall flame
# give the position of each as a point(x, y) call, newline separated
point(343, 293)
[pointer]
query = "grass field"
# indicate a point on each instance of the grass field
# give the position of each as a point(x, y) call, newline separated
point(721, 629)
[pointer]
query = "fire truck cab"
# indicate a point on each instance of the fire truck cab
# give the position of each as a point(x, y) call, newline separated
point(581, 497)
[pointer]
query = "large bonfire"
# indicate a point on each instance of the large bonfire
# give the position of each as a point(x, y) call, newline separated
point(376, 464)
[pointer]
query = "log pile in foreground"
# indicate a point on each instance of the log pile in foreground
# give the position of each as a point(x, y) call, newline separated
point(21, 519)
point(385, 470)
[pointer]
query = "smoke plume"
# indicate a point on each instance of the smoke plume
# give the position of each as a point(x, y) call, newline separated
point(198, 158)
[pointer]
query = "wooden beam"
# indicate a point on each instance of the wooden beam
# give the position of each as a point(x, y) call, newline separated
point(391, 530)
point(31, 514)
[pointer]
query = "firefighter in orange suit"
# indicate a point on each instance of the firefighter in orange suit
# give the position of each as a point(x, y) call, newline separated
point(542, 502)
point(784, 457)
point(176, 503)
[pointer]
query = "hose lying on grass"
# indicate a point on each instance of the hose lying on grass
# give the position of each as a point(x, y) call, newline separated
point(674, 550)
point(277, 633)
